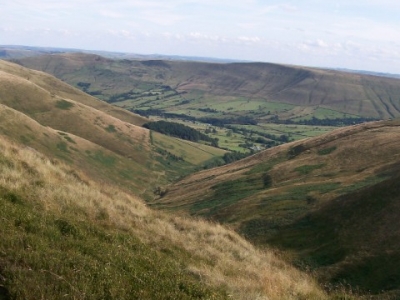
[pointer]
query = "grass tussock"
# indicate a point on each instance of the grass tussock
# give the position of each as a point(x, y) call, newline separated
point(65, 236)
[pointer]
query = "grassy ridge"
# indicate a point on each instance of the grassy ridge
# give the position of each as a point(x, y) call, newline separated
point(65, 236)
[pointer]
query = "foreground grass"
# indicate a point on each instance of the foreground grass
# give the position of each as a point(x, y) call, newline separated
point(64, 236)
point(49, 257)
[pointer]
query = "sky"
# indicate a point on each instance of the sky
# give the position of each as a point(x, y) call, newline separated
point(352, 34)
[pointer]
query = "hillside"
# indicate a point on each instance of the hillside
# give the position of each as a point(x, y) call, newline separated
point(65, 235)
point(352, 239)
point(71, 125)
point(329, 201)
point(63, 90)
point(325, 93)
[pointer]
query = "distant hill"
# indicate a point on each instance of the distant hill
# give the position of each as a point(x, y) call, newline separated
point(390, 75)
point(331, 201)
point(307, 91)
point(18, 51)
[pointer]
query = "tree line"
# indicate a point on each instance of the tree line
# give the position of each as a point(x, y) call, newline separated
point(180, 131)
point(346, 121)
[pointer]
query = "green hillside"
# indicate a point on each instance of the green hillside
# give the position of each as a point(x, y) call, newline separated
point(352, 239)
point(312, 198)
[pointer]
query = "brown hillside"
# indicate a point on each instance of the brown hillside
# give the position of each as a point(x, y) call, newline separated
point(114, 143)
point(69, 115)
point(63, 90)
point(91, 158)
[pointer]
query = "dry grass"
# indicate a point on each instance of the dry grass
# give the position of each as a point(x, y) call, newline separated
point(84, 120)
point(217, 256)
point(63, 90)
point(228, 260)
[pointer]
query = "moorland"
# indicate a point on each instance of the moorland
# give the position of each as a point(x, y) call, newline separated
point(116, 172)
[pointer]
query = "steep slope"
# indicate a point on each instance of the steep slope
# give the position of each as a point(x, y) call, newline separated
point(354, 94)
point(283, 196)
point(64, 237)
point(93, 159)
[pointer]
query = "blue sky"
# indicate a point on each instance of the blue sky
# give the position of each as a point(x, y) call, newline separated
point(350, 34)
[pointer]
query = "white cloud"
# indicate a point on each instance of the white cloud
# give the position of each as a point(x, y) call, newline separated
point(289, 7)
point(110, 14)
point(249, 39)
point(159, 17)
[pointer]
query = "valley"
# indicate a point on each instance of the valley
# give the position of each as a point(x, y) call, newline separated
point(250, 99)
point(301, 162)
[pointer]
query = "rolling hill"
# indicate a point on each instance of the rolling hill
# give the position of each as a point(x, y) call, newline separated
point(330, 201)
point(307, 91)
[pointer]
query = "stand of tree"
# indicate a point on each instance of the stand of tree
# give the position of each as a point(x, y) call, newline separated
point(180, 131)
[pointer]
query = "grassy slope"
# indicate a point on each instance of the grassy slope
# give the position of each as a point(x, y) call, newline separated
point(264, 194)
point(125, 148)
point(354, 94)
point(353, 239)
point(96, 161)
point(65, 237)
point(64, 90)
